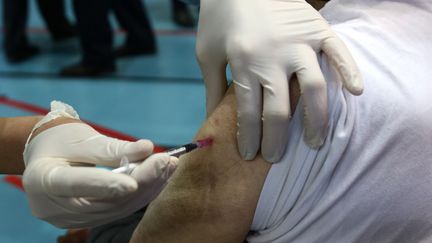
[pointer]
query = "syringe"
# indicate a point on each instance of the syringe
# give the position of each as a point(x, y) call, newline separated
point(127, 167)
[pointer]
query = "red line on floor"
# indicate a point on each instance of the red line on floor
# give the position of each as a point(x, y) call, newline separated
point(22, 106)
point(16, 180)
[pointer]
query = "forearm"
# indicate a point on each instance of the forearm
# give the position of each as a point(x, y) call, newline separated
point(13, 135)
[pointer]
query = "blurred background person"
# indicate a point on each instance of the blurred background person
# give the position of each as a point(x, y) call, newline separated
point(16, 44)
point(181, 14)
point(96, 35)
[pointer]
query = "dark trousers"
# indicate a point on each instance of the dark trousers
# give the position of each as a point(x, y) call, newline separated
point(15, 21)
point(95, 30)
point(177, 5)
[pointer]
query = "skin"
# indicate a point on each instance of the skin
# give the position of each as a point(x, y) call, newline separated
point(14, 132)
point(213, 194)
point(317, 4)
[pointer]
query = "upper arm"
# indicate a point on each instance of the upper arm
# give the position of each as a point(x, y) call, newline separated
point(213, 194)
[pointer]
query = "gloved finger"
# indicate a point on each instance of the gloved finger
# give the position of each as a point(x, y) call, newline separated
point(249, 112)
point(276, 116)
point(314, 91)
point(213, 63)
point(134, 151)
point(111, 150)
point(340, 57)
point(214, 75)
point(92, 182)
point(157, 166)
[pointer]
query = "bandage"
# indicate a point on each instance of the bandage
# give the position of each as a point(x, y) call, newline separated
point(58, 109)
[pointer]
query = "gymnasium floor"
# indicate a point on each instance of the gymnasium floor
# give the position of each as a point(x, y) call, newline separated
point(159, 97)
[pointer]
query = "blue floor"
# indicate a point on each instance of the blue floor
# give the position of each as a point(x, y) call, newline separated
point(158, 97)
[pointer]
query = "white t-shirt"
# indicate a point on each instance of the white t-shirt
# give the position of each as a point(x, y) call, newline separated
point(372, 179)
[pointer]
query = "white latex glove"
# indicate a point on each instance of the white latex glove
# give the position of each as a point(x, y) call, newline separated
point(64, 192)
point(265, 42)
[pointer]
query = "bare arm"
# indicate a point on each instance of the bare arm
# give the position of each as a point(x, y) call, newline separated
point(213, 194)
point(13, 135)
point(14, 132)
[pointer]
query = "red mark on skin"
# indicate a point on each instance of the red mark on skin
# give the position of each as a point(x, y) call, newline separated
point(205, 142)
point(14, 181)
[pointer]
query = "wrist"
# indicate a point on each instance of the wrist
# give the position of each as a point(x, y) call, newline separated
point(60, 113)
point(53, 123)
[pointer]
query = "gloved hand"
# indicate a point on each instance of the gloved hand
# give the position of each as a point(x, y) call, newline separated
point(265, 42)
point(68, 194)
